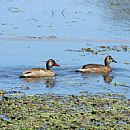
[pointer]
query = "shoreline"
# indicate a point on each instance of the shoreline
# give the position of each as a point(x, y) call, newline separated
point(62, 39)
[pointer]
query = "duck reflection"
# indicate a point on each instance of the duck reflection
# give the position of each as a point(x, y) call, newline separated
point(49, 81)
point(106, 77)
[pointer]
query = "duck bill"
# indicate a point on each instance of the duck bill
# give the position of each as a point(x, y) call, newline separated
point(114, 61)
point(56, 65)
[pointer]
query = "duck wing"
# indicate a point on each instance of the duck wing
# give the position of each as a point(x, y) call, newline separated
point(32, 70)
point(38, 72)
point(93, 66)
point(38, 69)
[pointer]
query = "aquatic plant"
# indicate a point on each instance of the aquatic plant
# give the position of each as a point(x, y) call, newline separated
point(101, 49)
point(65, 112)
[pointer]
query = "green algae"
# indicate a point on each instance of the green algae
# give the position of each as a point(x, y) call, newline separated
point(101, 49)
point(65, 112)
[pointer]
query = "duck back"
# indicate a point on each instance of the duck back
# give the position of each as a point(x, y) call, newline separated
point(95, 68)
point(38, 72)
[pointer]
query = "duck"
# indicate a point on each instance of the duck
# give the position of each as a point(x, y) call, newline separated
point(98, 68)
point(41, 72)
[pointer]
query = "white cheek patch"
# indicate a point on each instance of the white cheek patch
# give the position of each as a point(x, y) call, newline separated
point(50, 64)
point(111, 60)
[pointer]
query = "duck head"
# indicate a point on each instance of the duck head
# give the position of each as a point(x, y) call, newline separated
point(50, 63)
point(108, 60)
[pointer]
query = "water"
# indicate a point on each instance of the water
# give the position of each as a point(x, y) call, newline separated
point(31, 54)
point(96, 22)
point(93, 19)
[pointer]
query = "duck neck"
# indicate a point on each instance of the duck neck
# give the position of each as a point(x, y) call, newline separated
point(48, 67)
point(106, 63)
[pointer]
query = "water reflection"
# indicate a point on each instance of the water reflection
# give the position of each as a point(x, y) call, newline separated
point(49, 81)
point(106, 77)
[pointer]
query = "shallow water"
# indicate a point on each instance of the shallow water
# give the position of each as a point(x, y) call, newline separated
point(59, 30)
point(34, 54)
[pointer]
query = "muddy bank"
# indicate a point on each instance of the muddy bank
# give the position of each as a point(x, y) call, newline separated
point(65, 112)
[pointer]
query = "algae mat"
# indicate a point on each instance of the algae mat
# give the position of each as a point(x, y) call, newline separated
point(65, 112)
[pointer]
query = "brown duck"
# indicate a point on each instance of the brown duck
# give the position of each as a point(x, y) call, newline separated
point(41, 72)
point(98, 68)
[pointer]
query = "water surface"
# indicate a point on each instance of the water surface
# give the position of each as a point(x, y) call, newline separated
point(71, 57)
point(93, 19)
point(33, 31)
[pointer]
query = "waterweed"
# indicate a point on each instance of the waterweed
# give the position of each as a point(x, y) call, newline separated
point(65, 112)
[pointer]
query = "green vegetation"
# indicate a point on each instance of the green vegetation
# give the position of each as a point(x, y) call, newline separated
point(65, 112)
point(102, 49)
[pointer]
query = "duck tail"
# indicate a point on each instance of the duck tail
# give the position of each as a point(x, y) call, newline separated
point(79, 70)
point(21, 76)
